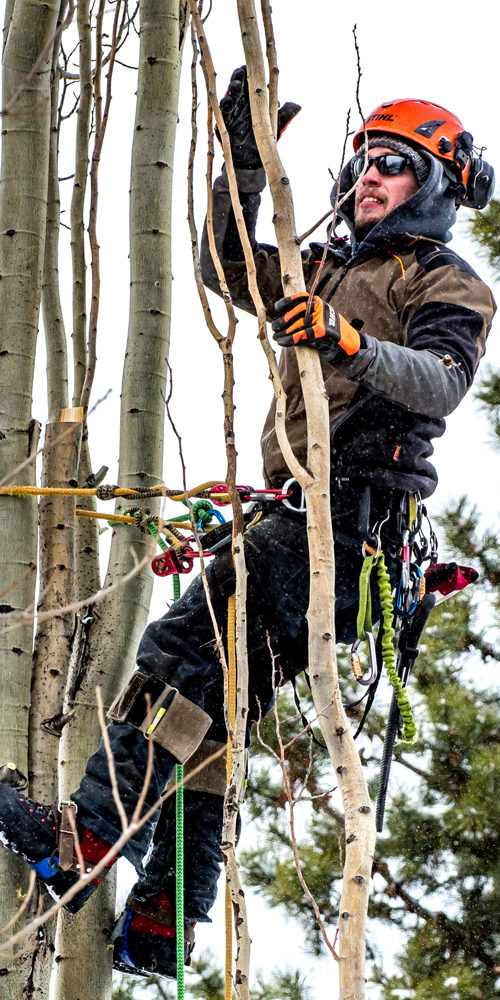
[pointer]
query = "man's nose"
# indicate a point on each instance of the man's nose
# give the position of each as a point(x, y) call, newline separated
point(372, 175)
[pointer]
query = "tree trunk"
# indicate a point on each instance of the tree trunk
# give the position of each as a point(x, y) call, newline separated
point(108, 642)
point(23, 207)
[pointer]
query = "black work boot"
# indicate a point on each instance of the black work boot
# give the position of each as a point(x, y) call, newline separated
point(30, 829)
point(145, 941)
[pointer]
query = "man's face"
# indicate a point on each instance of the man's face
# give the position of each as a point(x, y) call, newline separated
point(377, 195)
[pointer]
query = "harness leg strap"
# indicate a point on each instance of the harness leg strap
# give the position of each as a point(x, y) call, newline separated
point(162, 713)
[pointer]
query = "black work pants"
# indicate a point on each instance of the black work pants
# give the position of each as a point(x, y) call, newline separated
point(179, 648)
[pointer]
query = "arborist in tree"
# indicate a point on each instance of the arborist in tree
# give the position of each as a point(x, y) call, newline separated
point(400, 322)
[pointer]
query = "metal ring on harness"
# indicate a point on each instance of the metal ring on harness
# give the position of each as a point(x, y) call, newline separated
point(367, 549)
point(287, 488)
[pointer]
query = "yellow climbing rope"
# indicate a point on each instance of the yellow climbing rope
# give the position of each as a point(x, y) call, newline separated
point(231, 656)
point(166, 528)
point(109, 493)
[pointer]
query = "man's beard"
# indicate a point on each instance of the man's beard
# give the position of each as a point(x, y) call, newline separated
point(361, 232)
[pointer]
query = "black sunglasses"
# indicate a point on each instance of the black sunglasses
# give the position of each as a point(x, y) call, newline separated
point(388, 164)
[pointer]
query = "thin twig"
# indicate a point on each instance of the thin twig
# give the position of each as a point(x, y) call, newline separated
point(281, 760)
point(219, 645)
point(101, 123)
point(76, 839)
point(111, 761)
point(209, 72)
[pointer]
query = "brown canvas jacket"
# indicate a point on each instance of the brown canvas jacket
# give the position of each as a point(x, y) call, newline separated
point(423, 314)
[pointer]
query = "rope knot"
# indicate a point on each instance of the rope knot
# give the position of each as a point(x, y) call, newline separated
point(106, 492)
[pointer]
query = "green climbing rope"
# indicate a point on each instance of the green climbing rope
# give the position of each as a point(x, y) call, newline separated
point(364, 625)
point(179, 855)
point(179, 878)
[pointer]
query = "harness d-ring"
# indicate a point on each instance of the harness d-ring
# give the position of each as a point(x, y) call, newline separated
point(366, 548)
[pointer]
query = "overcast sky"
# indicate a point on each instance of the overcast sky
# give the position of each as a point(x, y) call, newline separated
point(438, 52)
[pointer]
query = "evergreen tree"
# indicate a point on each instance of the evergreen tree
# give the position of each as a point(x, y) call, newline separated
point(485, 230)
point(208, 984)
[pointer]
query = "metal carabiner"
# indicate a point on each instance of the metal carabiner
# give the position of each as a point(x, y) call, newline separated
point(366, 548)
point(287, 488)
point(356, 662)
point(215, 513)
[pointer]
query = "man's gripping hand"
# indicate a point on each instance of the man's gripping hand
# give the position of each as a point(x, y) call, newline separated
point(235, 107)
point(322, 328)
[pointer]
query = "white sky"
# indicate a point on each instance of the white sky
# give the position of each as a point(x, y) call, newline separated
point(438, 52)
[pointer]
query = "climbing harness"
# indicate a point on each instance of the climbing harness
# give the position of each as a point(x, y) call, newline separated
point(402, 527)
point(409, 536)
point(415, 596)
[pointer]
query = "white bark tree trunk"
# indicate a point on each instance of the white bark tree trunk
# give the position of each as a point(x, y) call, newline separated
point(23, 208)
point(111, 639)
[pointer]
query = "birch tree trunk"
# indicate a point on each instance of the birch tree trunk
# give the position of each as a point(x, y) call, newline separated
point(23, 207)
point(359, 818)
point(112, 636)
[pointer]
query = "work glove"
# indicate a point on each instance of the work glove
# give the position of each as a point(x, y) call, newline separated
point(235, 107)
point(322, 328)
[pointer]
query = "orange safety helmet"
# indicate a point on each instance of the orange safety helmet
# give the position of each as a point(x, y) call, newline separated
point(442, 134)
point(424, 124)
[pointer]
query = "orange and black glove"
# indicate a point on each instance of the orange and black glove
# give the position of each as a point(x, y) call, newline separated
point(322, 328)
point(235, 107)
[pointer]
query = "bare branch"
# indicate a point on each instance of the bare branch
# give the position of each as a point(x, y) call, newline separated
point(292, 801)
point(101, 123)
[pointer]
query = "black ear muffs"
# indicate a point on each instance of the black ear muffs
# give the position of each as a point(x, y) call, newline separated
point(481, 177)
point(480, 184)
